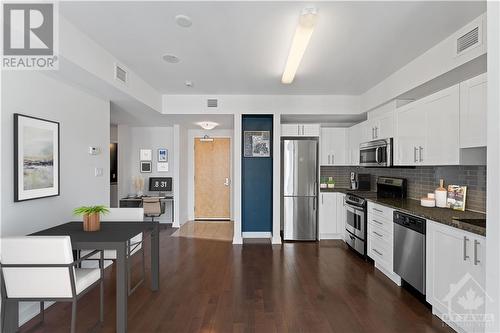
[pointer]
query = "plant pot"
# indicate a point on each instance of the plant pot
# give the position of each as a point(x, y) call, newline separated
point(92, 222)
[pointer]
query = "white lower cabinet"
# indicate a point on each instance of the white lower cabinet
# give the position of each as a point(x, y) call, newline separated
point(455, 278)
point(331, 215)
point(380, 239)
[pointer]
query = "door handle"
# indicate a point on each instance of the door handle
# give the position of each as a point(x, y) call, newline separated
point(378, 222)
point(314, 203)
point(373, 132)
point(376, 233)
point(476, 260)
point(322, 198)
point(380, 254)
point(377, 210)
point(376, 132)
point(329, 158)
point(226, 182)
point(415, 149)
point(333, 158)
point(376, 155)
point(465, 248)
point(420, 150)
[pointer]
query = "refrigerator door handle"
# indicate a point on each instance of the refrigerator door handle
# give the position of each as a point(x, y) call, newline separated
point(314, 203)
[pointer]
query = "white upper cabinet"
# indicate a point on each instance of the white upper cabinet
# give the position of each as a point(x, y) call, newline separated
point(354, 134)
point(333, 146)
point(379, 127)
point(473, 110)
point(410, 135)
point(311, 130)
point(427, 130)
point(442, 111)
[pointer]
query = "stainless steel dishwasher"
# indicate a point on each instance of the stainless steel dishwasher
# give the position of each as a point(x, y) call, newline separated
point(409, 249)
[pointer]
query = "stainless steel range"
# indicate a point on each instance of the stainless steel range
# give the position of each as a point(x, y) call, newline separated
point(356, 210)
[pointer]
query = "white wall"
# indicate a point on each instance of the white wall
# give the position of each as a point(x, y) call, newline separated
point(493, 180)
point(84, 122)
point(183, 156)
point(130, 141)
point(192, 134)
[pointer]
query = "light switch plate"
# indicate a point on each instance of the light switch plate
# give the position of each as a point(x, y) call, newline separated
point(99, 172)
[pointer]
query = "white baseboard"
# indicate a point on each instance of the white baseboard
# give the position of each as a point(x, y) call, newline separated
point(256, 234)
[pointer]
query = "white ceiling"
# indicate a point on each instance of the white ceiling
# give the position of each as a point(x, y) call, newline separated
point(241, 47)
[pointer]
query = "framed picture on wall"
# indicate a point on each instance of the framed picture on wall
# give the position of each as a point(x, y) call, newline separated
point(162, 166)
point(162, 155)
point(146, 155)
point(146, 167)
point(257, 144)
point(36, 158)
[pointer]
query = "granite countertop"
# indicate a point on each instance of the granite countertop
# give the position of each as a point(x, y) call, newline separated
point(440, 215)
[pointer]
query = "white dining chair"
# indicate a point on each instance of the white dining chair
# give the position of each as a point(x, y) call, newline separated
point(42, 269)
point(135, 243)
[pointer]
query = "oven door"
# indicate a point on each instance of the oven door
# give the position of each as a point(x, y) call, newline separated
point(355, 221)
point(376, 153)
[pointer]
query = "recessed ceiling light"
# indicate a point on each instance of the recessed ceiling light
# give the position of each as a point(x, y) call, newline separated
point(303, 33)
point(183, 21)
point(189, 84)
point(207, 125)
point(170, 58)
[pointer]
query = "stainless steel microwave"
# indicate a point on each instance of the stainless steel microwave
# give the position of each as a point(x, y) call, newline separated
point(377, 153)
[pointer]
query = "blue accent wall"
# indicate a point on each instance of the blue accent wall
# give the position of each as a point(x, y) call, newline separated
point(257, 180)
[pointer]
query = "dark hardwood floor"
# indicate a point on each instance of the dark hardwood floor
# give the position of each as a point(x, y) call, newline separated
point(212, 286)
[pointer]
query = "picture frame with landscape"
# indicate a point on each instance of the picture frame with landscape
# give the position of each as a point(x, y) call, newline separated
point(36, 158)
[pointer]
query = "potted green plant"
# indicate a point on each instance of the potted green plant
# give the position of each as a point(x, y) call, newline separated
point(91, 216)
point(330, 182)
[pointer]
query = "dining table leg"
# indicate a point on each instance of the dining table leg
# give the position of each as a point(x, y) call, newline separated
point(121, 289)
point(155, 257)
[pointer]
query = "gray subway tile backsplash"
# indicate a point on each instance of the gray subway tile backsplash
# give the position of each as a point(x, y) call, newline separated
point(423, 180)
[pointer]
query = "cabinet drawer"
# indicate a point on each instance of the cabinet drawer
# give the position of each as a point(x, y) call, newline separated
point(380, 234)
point(380, 210)
point(381, 222)
point(380, 252)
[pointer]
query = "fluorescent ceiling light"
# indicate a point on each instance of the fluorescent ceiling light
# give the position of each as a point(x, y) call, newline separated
point(303, 33)
point(207, 125)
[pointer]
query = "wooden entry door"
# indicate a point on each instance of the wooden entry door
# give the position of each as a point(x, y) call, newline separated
point(212, 179)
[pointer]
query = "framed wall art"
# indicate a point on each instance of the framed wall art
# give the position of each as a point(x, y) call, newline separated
point(162, 155)
point(36, 158)
point(257, 144)
point(146, 167)
point(146, 154)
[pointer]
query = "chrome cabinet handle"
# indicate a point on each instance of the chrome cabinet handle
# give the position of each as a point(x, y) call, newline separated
point(380, 254)
point(420, 150)
point(476, 260)
point(329, 158)
point(465, 248)
point(333, 158)
point(376, 233)
point(376, 132)
point(377, 222)
point(377, 210)
point(322, 198)
point(415, 149)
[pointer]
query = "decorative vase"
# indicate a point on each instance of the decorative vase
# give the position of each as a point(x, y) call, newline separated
point(92, 222)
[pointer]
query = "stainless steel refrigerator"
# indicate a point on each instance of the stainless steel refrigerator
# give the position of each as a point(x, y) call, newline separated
point(299, 188)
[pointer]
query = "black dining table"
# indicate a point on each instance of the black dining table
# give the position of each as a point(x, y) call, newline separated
point(111, 236)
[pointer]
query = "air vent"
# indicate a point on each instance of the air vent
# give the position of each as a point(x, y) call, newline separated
point(468, 40)
point(212, 103)
point(120, 73)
